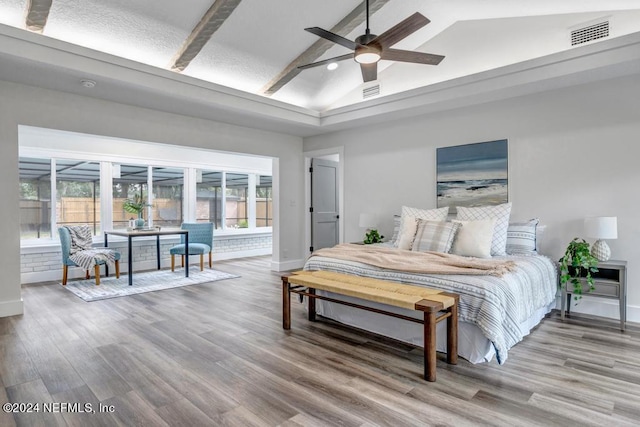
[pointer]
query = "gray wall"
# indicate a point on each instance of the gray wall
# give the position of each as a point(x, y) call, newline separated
point(573, 153)
point(26, 105)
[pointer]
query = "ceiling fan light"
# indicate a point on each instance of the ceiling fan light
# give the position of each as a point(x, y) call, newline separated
point(367, 57)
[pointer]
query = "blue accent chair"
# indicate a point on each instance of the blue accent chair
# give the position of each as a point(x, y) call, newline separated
point(65, 243)
point(200, 243)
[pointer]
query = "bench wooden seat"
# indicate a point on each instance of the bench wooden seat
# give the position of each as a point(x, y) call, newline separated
point(435, 304)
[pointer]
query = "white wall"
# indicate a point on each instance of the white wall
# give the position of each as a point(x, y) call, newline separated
point(573, 153)
point(26, 105)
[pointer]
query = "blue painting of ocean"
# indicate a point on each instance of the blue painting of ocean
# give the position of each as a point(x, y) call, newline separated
point(473, 175)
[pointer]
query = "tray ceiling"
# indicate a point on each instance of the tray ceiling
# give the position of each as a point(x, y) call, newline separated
point(255, 45)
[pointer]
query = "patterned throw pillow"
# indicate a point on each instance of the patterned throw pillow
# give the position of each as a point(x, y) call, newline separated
point(474, 238)
point(429, 214)
point(407, 233)
point(500, 213)
point(521, 237)
point(434, 236)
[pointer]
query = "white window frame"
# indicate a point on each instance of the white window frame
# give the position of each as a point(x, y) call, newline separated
point(106, 191)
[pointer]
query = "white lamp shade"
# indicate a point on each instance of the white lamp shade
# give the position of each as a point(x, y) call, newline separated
point(367, 220)
point(602, 227)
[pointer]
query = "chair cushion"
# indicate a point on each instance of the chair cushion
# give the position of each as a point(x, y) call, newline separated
point(194, 249)
point(96, 256)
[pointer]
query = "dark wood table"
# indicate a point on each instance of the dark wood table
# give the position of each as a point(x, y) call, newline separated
point(130, 234)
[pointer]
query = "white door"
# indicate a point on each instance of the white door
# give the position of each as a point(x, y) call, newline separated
point(324, 204)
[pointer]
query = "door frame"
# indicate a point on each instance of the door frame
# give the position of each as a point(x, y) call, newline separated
point(308, 155)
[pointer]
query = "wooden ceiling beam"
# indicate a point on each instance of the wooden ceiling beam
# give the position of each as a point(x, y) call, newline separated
point(213, 19)
point(349, 23)
point(37, 15)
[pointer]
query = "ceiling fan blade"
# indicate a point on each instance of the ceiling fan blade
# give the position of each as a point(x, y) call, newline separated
point(369, 71)
point(326, 61)
point(332, 37)
point(410, 56)
point(401, 30)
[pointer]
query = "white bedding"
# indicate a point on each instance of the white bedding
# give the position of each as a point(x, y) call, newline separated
point(495, 313)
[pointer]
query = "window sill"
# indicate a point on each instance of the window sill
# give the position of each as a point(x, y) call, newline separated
point(53, 245)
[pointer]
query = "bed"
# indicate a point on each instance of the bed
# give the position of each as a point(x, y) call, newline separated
point(495, 313)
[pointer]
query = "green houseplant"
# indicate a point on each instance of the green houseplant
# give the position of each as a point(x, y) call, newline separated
point(372, 236)
point(136, 205)
point(578, 263)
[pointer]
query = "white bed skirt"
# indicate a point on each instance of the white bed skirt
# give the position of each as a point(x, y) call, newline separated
point(472, 344)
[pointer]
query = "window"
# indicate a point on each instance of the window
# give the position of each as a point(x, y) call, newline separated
point(58, 191)
point(236, 193)
point(264, 201)
point(78, 193)
point(168, 196)
point(209, 198)
point(35, 198)
point(132, 183)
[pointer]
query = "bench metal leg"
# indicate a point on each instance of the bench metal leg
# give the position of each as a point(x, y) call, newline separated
point(430, 345)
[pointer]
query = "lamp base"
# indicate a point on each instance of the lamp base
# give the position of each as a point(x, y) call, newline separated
point(601, 250)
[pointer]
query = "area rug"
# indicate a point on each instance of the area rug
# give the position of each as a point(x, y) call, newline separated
point(148, 281)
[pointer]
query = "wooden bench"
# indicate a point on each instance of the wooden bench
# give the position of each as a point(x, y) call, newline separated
point(435, 305)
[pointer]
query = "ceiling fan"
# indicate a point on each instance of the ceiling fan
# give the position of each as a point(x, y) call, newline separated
point(368, 49)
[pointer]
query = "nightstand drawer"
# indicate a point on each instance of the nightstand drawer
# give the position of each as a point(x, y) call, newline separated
point(605, 288)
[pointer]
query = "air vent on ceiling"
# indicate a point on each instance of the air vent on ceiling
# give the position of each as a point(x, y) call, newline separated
point(590, 33)
point(371, 91)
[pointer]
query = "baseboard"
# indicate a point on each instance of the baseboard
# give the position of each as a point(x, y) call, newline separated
point(220, 256)
point(294, 264)
point(11, 308)
point(603, 307)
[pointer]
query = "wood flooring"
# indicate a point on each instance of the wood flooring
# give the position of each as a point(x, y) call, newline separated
point(216, 355)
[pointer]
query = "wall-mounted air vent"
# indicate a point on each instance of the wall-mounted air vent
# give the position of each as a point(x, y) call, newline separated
point(371, 91)
point(590, 33)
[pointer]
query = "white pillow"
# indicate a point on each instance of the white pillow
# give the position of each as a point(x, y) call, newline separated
point(500, 213)
point(474, 238)
point(407, 233)
point(416, 213)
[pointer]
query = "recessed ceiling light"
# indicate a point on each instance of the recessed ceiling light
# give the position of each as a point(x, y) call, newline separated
point(88, 83)
point(332, 66)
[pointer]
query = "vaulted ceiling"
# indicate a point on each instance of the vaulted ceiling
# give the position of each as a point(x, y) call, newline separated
point(255, 46)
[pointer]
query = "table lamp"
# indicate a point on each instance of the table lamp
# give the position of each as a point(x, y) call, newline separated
point(600, 228)
point(369, 221)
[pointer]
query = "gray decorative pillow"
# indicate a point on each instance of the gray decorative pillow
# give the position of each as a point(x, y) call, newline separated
point(521, 237)
point(435, 236)
point(500, 213)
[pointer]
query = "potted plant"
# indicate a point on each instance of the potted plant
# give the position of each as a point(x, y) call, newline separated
point(136, 205)
point(372, 236)
point(578, 263)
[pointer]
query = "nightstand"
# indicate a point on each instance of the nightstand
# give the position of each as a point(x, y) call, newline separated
point(610, 282)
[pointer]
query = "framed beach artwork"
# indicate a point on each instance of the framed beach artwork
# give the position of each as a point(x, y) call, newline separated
point(472, 174)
